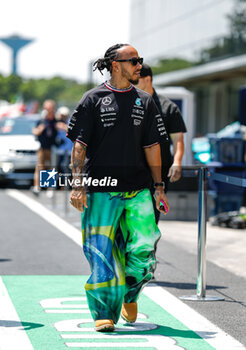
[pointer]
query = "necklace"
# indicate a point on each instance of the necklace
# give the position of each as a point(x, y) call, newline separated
point(113, 86)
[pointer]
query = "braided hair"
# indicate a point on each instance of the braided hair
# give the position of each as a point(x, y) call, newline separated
point(110, 55)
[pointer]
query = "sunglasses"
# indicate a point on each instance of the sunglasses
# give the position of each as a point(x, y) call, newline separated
point(134, 60)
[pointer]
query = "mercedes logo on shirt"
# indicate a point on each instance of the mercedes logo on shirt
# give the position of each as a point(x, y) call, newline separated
point(106, 101)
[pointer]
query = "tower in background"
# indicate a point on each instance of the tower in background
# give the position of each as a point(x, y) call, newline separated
point(16, 43)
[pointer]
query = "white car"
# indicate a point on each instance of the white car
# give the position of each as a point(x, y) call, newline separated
point(18, 148)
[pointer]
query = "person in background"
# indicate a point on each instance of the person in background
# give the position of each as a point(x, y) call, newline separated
point(175, 127)
point(46, 132)
point(64, 145)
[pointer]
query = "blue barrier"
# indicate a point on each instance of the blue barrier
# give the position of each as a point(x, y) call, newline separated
point(232, 180)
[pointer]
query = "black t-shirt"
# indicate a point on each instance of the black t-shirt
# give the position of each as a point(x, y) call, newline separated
point(48, 136)
point(116, 126)
point(173, 122)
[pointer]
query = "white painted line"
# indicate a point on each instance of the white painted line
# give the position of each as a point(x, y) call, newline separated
point(12, 333)
point(69, 230)
point(60, 303)
point(192, 319)
point(67, 311)
point(159, 342)
point(74, 325)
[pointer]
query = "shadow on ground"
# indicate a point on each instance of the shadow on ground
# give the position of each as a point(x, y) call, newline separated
point(25, 325)
point(184, 286)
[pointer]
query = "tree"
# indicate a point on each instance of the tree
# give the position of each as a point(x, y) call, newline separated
point(238, 21)
point(63, 91)
point(9, 87)
point(235, 42)
point(170, 64)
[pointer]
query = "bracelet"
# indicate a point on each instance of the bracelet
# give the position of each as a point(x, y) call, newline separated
point(159, 184)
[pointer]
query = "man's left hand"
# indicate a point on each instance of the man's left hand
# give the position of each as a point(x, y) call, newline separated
point(160, 195)
point(175, 173)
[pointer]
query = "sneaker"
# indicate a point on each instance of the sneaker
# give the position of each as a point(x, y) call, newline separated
point(35, 191)
point(104, 325)
point(50, 194)
point(129, 312)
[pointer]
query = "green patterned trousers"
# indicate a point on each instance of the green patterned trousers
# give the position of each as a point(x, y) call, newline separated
point(119, 239)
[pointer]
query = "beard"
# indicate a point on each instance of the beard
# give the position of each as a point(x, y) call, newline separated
point(129, 77)
point(135, 81)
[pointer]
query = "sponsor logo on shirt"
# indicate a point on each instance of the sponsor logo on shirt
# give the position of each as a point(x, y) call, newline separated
point(107, 109)
point(108, 115)
point(136, 122)
point(160, 126)
point(106, 125)
point(137, 113)
point(138, 101)
point(106, 101)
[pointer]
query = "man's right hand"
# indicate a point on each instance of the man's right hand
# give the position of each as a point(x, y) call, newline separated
point(78, 198)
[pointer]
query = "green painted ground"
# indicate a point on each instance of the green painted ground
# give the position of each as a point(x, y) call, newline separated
point(26, 292)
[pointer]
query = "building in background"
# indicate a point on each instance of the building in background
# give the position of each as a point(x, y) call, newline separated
point(216, 86)
point(177, 28)
point(182, 29)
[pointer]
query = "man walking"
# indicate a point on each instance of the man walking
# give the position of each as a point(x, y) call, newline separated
point(175, 127)
point(45, 131)
point(118, 128)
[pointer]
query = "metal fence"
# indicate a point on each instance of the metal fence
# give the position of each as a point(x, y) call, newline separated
point(203, 174)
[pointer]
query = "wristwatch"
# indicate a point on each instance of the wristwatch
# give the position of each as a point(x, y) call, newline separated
point(160, 184)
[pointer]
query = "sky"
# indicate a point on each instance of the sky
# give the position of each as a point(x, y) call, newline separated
point(68, 35)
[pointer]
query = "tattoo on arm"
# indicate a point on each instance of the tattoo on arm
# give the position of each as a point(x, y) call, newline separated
point(77, 160)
